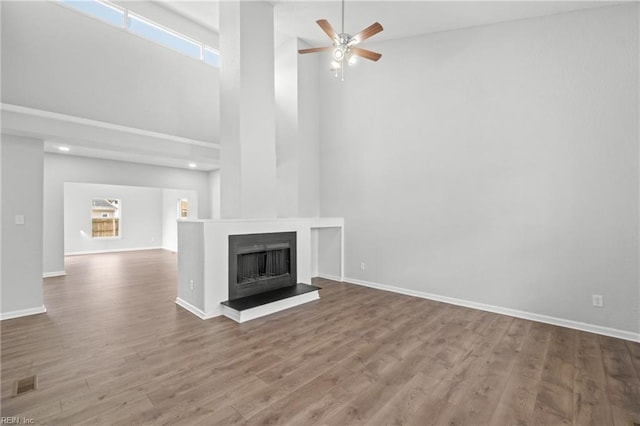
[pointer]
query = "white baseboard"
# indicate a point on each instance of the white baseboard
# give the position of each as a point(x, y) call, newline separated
point(53, 274)
point(197, 311)
point(189, 307)
point(606, 331)
point(79, 253)
point(22, 313)
point(329, 277)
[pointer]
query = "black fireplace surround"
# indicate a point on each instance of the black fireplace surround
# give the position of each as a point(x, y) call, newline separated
point(261, 262)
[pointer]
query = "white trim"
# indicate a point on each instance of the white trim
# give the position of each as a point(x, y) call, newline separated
point(329, 277)
point(102, 125)
point(342, 248)
point(78, 253)
point(269, 308)
point(197, 311)
point(606, 331)
point(22, 313)
point(216, 312)
point(231, 313)
point(189, 307)
point(54, 274)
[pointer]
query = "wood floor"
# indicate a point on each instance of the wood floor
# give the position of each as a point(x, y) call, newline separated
point(115, 349)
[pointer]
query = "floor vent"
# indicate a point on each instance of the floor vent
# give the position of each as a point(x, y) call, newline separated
point(25, 385)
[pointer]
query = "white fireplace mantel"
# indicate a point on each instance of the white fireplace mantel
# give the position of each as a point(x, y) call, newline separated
point(203, 256)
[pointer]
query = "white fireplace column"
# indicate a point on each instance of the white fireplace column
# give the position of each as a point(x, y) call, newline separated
point(247, 111)
point(249, 196)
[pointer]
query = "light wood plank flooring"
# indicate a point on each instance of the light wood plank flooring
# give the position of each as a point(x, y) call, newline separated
point(115, 349)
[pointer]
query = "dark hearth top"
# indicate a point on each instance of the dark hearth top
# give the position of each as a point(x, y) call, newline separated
point(260, 299)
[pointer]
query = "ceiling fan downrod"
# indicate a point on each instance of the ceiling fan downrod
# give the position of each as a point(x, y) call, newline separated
point(342, 16)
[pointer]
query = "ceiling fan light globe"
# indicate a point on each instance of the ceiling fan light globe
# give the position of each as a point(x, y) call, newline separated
point(338, 53)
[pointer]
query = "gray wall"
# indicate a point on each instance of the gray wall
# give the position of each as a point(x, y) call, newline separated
point(497, 164)
point(21, 169)
point(59, 169)
point(141, 217)
point(192, 267)
point(57, 59)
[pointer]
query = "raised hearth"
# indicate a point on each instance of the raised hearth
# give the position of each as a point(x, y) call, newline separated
point(258, 305)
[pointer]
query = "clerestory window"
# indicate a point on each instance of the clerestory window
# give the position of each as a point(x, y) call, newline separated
point(119, 16)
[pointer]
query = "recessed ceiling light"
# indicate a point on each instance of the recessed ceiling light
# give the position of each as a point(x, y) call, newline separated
point(63, 148)
point(192, 165)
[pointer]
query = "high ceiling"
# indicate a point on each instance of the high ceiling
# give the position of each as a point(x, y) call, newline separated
point(294, 18)
point(399, 18)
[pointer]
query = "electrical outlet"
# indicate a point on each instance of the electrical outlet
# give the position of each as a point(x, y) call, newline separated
point(362, 266)
point(191, 285)
point(598, 300)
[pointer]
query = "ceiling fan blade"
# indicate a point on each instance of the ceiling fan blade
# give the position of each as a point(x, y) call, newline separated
point(314, 49)
point(327, 28)
point(367, 54)
point(368, 32)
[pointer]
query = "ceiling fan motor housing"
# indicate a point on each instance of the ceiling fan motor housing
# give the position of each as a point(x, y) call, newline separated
point(341, 46)
point(343, 38)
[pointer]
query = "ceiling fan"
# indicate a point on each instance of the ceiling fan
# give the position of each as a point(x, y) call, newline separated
point(344, 47)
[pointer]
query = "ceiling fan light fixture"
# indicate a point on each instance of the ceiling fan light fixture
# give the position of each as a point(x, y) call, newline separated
point(338, 52)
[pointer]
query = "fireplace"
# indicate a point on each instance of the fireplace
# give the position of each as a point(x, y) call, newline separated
point(261, 262)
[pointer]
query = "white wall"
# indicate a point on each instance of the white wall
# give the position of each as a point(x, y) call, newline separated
point(141, 221)
point(59, 169)
point(148, 217)
point(496, 164)
point(159, 12)
point(286, 115)
point(297, 129)
point(214, 187)
point(21, 170)
point(103, 73)
point(309, 70)
point(248, 129)
point(170, 200)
